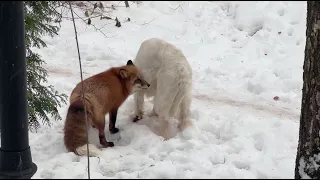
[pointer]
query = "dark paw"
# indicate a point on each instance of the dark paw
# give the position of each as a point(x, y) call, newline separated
point(114, 130)
point(136, 119)
point(108, 144)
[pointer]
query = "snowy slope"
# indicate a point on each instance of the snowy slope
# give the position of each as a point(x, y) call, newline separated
point(242, 53)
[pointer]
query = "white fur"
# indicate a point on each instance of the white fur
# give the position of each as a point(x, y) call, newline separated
point(94, 151)
point(169, 73)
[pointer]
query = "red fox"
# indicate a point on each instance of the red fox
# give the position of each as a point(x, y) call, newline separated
point(103, 93)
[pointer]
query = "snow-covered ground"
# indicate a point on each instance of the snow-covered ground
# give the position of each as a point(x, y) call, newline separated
point(242, 53)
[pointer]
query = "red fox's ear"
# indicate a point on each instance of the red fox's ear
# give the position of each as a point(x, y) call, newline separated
point(129, 62)
point(123, 73)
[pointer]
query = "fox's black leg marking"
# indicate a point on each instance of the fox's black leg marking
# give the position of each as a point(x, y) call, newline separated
point(104, 142)
point(112, 121)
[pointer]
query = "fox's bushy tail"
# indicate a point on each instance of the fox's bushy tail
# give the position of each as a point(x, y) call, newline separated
point(75, 139)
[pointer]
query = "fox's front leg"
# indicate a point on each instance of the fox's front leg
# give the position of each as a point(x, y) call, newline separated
point(112, 121)
point(102, 136)
point(139, 104)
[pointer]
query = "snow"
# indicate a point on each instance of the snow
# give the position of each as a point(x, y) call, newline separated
point(301, 169)
point(242, 53)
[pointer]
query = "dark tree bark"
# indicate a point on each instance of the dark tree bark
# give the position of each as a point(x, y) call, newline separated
point(308, 157)
point(127, 4)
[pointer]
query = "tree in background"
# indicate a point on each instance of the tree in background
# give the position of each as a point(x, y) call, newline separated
point(308, 152)
point(42, 100)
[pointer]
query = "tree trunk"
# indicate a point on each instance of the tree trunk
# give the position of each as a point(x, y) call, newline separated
point(127, 4)
point(308, 157)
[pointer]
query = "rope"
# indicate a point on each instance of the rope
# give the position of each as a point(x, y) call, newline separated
point(76, 37)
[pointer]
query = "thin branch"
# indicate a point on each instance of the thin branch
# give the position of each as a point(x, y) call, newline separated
point(104, 26)
point(85, 111)
point(147, 22)
point(94, 26)
point(68, 18)
point(179, 6)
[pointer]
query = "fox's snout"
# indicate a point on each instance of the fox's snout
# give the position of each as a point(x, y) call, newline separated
point(140, 84)
point(144, 84)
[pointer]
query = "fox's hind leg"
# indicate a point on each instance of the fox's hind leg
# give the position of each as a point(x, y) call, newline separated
point(102, 136)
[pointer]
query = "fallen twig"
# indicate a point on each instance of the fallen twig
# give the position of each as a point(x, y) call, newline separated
point(147, 22)
point(176, 7)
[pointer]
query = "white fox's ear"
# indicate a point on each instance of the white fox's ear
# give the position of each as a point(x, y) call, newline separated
point(123, 73)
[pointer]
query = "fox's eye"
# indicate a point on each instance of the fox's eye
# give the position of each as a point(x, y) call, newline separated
point(137, 81)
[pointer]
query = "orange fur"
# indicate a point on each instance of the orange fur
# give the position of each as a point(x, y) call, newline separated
point(103, 93)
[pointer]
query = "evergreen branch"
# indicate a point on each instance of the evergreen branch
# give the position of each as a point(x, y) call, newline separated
point(42, 100)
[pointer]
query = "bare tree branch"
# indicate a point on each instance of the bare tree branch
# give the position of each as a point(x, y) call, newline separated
point(94, 26)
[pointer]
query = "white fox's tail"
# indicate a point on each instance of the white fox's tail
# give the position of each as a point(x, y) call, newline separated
point(94, 151)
